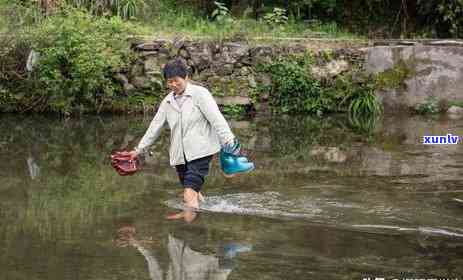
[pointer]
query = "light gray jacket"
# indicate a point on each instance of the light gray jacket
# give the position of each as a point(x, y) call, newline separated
point(197, 129)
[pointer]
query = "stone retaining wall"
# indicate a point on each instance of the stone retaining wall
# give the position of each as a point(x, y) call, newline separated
point(228, 68)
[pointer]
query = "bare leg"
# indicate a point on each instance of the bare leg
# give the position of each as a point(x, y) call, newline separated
point(190, 197)
point(200, 197)
point(191, 200)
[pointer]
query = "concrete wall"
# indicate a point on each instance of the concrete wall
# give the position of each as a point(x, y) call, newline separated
point(436, 70)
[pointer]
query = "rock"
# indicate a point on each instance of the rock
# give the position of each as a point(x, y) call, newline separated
point(295, 49)
point(174, 47)
point(261, 54)
point(134, 42)
point(168, 52)
point(233, 52)
point(334, 154)
point(337, 67)
point(251, 81)
point(178, 43)
point(137, 70)
point(244, 71)
point(141, 82)
point(205, 75)
point(154, 64)
point(224, 69)
point(318, 72)
point(144, 54)
point(201, 56)
point(151, 64)
point(151, 46)
point(331, 154)
point(455, 110)
point(128, 88)
point(240, 124)
point(121, 78)
point(125, 82)
point(233, 100)
point(332, 69)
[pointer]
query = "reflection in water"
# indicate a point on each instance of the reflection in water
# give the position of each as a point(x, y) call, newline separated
point(189, 264)
point(185, 263)
point(34, 169)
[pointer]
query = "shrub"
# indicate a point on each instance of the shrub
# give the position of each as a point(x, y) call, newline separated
point(430, 106)
point(277, 17)
point(233, 111)
point(296, 90)
point(364, 102)
point(221, 13)
point(79, 55)
point(126, 9)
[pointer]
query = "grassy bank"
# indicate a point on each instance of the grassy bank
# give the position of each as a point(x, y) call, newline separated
point(186, 24)
point(80, 55)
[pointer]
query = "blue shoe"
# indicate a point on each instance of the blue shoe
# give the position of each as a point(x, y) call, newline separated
point(231, 250)
point(232, 165)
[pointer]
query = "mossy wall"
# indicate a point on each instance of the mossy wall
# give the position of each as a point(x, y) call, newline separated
point(408, 73)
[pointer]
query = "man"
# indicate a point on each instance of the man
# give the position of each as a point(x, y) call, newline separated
point(198, 131)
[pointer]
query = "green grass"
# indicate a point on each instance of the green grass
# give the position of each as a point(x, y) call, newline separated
point(187, 24)
point(167, 21)
point(3, 19)
point(458, 103)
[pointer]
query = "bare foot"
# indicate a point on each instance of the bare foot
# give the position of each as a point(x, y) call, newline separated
point(191, 200)
point(175, 216)
point(187, 215)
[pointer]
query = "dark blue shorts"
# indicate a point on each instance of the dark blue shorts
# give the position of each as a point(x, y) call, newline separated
point(192, 174)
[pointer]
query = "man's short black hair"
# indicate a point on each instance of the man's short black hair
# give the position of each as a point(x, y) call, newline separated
point(175, 68)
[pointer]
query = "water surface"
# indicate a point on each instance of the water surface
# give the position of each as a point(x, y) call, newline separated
point(329, 199)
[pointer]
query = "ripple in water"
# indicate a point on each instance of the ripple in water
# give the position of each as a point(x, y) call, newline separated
point(423, 230)
point(262, 204)
point(272, 204)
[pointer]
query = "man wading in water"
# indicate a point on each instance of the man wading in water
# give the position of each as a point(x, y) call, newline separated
point(198, 131)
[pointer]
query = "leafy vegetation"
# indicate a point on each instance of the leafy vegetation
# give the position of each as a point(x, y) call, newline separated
point(296, 90)
point(302, 18)
point(277, 17)
point(430, 106)
point(78, 57)
point(233, 111)
point(221, 14)
point(458, 103)
point(83, 44)
point(363, 102)
point(394, 78)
